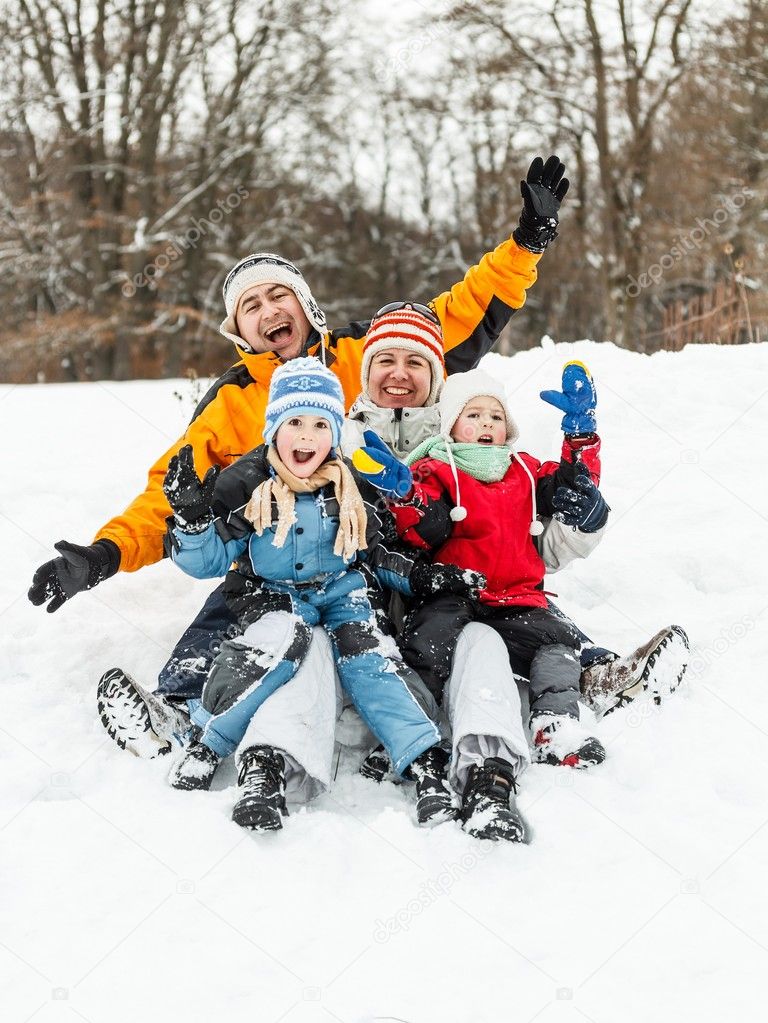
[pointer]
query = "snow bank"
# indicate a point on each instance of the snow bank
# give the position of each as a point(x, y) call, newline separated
point(643, 894)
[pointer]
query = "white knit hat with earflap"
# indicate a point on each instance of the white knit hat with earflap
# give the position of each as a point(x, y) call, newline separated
point(266, 268)
point(458, 390)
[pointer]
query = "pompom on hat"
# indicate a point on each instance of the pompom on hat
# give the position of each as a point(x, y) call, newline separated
point(406, 328)
point(304, 387)
point(266, 268)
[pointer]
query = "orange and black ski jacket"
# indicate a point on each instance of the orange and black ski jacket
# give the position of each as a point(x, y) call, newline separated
point(229, 420)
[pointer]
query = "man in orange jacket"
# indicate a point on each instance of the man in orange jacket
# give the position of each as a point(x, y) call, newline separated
point(272, 317)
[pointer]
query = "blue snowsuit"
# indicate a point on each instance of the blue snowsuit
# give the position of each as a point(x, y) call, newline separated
point(307, 584)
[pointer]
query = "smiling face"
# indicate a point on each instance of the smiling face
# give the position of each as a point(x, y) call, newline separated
point(303, 444)
point(398, 378)
point(271, 319)
point(482, 421)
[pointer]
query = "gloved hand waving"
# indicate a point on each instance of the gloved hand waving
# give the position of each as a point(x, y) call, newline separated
point(543, 191)
point(189, 497)
point(377, 463)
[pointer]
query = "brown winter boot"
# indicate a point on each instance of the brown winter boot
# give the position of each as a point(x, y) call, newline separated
point(658, 666)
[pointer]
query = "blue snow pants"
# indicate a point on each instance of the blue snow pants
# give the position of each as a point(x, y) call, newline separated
point(244, 673)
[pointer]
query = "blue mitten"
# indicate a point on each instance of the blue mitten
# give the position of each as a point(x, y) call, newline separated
point(377, 463)
point(577, 399)
point(581, 505)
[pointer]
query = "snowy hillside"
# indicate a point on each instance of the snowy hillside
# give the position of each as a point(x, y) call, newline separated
point(643, 894)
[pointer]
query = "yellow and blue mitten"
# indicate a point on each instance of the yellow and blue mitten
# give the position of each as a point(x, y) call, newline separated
point(377, 463)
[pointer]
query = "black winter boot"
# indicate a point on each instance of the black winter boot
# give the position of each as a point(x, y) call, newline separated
point(376, 765)
point(488, 805)
point(261, 807)
point(434, 803)
point(196, 768)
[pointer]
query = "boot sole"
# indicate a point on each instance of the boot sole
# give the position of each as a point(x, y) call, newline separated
point(438, 815)
point(125, 717)
point(257, 817)
point(511, 829)
point(678, 639)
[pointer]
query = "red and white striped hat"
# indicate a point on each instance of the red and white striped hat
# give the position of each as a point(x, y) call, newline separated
point(409, 329)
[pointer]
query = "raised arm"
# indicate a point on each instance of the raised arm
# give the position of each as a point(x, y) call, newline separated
point(475, 311)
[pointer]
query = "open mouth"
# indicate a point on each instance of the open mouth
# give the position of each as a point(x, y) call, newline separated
point(397, 392)
point(485, 438)
point(279, 334)
point(302, 455)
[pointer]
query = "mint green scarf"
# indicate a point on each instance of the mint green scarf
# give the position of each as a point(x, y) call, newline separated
point(487, 463)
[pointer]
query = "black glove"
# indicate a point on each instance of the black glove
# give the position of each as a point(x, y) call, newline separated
point(581, 505)
point(428, 578)
point(78, 569)
point(188, 495)
point(543, 190)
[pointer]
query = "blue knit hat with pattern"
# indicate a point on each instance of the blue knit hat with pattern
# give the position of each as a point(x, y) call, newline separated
point(304, 387)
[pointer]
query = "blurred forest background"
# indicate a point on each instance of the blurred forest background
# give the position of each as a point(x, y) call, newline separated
point(148, 145)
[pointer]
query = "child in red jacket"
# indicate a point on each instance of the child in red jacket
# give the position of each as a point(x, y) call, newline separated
point(475, 502)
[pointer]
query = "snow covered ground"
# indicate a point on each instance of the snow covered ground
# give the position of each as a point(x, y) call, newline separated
point(643, 895)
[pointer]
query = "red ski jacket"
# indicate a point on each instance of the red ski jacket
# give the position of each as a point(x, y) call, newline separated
point(494, 537)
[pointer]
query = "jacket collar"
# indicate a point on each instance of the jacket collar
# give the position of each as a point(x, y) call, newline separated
point(262, 366)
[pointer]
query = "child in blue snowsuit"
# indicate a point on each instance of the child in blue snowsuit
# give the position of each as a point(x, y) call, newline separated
point(308, 541)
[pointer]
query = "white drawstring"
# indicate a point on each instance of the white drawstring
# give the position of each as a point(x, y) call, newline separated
point(536, 528)
point(458, 514)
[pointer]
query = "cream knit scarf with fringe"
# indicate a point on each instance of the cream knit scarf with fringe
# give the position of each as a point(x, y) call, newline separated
point(353, 519)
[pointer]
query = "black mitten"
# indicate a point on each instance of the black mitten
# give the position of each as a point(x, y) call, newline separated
point(428, 578)
point(543, 190)
point(78, 569)
point(188, 495)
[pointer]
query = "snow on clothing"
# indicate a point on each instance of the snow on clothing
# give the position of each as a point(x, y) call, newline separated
point(284, 591)
point(542, 647)
point(299, 719)
point(493, 538)
point(231, 415)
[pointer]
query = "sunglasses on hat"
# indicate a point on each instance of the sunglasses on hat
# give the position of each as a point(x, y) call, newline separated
point(393, 307)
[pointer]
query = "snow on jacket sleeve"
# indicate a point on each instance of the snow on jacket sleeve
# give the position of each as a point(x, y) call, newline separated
point(205, 555)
